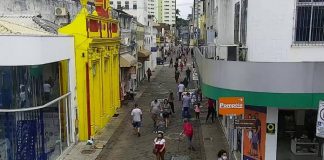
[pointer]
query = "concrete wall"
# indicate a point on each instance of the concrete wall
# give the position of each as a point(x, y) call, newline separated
point(277, 77)
point(270, 33)
point(35, 50)
point(44, 7)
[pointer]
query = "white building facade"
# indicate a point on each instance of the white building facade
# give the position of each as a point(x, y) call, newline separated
point(136, 8)
point(168, 11)
point(281, 44)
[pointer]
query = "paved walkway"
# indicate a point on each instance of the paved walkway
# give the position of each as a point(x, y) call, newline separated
point(126, 146)
point(117, 142)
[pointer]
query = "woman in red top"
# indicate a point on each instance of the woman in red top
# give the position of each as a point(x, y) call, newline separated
point(188, 132)
point(159, 146)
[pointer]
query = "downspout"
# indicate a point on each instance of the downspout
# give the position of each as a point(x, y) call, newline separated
point(88, 100)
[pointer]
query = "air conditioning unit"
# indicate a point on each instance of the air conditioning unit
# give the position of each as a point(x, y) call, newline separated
point(60, 11)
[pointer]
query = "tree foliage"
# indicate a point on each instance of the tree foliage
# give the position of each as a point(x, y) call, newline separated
point(180, 22)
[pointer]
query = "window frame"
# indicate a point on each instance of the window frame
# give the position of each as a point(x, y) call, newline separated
point(134, 4)
point(310, 39)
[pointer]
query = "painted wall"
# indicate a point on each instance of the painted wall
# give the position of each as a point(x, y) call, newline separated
point(270, 33)
point(292, 77)
point(277, 84)
point(49, 49)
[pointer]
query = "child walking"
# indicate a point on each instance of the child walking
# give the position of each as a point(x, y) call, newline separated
point(197, 110)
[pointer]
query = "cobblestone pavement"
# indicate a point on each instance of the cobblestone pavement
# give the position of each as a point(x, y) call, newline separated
point(126, 146)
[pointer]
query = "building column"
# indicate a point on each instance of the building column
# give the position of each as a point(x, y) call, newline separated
point(271, 139)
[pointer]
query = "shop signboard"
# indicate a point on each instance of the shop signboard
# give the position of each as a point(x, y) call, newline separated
point(245, 123)
point(231, 106)
point(320, 120)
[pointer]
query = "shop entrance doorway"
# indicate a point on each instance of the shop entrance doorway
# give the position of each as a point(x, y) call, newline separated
point(296, 135)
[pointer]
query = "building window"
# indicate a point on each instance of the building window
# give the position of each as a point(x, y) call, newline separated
point(309, 27)
point(118, 4)
point(126, 4)
point(111, 2)
point(134, 5)
point(236, 22)
point(243, 21)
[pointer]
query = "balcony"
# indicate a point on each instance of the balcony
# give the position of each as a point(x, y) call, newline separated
point(100, 27)
point(271, 84)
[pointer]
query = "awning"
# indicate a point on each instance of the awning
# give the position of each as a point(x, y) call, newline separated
point(144, 53)
point(127, 60)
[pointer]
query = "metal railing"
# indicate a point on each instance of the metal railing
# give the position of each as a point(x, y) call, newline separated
point(40, 132)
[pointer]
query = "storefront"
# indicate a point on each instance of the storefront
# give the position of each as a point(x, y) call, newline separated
point(283, 105)
point(36, 106)
point(128, 74)
point(296, 134)
point(97, 41)
point(143, 56)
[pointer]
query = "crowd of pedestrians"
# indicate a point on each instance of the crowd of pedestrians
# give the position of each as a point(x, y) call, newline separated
point(162, 109)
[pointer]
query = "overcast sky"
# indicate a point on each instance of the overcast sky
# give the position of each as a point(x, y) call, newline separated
point(185, 7)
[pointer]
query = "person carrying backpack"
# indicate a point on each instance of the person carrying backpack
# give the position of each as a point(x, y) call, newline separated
point(187, 130)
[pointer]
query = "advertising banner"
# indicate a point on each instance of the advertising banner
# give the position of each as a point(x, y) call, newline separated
point(320, 120)
point(230, 106)
point(254, 138)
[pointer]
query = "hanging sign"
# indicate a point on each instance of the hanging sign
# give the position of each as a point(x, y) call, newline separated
point(231, 106)
point(320, 120)
point(245, 123)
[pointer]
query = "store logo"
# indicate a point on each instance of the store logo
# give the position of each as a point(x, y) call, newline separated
point(231, 106)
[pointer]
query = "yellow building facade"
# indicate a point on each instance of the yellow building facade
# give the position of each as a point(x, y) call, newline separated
point(97, 40)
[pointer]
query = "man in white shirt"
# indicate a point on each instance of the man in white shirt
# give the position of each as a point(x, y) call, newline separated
point(137, 119)
point(181, 89)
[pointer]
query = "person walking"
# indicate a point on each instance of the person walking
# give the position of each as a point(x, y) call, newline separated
point(181, 89)
point(188, 71)
point(155, 111)
point(137, 119)
point(181, 66)
point(149, 74)
point(170, 100)
point(186, 100)
point(185, 82)
point(211, 110)
point(171, 62)
point(159, 146)
point(166, 112)
point(222, 155)
point(197, 110)
point(177, 76)
point(187, 130)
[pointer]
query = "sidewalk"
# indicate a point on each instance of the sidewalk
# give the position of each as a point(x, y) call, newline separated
point(82, 151)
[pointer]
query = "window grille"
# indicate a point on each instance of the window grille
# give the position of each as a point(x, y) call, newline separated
point(309, 22)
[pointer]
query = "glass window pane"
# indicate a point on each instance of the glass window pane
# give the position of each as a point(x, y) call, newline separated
point(318, 24)
point(303, 23)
